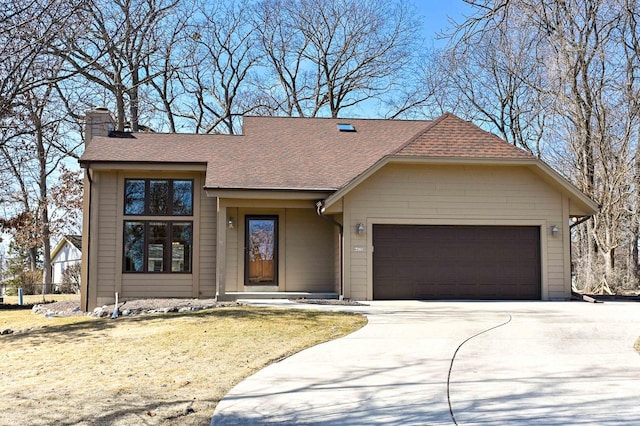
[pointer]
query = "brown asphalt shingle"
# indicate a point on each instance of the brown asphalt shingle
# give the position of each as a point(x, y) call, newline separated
point(303, 153)
point(451, 136)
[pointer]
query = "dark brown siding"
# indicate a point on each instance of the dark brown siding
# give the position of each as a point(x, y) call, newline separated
point(456, 262)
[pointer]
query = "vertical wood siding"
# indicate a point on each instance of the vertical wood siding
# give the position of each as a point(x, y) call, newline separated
point(309, 251)
point(208, 246)
point(108, 195)
point(306, 249)
point(106, 259)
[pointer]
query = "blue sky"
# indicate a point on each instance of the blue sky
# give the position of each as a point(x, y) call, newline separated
point(435, 15)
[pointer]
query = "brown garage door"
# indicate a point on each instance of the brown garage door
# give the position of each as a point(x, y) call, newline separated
point(456, 262)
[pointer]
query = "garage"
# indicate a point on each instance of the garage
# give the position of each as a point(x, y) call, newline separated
point(456, 262)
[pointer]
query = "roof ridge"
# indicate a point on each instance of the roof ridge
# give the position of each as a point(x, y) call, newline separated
point(470, 125)
point(336, 118)
point(431, 124)
point(494, 136)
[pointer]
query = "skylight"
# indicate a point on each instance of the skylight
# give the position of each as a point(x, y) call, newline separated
point(346, 127)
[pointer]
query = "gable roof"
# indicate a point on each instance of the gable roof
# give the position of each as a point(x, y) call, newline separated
point(453, 137)
point(312, 154)
point(302, 153)
point(74, 240)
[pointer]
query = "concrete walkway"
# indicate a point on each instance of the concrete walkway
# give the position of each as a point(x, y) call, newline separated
point(551, 363)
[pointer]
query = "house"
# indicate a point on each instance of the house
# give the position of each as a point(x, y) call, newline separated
point(365, 209)
point(66, 254)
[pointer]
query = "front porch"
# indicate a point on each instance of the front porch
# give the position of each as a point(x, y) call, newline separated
point(276, 249)
point(235, 295)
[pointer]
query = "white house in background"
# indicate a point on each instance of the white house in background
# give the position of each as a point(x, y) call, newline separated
point(68, 252)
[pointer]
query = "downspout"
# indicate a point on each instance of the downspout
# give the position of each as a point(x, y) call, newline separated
point(86, 304)
point(320, 211)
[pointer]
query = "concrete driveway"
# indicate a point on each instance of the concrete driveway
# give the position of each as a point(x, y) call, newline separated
point(549, 363)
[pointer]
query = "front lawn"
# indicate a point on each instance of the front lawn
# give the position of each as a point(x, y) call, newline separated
point(148, 369)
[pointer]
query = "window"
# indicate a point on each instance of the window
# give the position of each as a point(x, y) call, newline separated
point(158, 197)
point(157, 246)
point(159, 243)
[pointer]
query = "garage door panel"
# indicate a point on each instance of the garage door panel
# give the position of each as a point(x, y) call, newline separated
point(456, 262)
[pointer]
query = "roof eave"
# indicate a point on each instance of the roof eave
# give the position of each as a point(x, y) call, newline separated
point(142, 165)
point(276, 193)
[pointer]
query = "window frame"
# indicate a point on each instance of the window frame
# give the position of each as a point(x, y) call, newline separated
point(146, 210)
point(167, 256)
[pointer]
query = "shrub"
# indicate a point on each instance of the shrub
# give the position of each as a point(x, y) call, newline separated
point(70, 279)
point(29, 281)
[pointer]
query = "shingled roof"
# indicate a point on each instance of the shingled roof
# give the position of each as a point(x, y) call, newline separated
point(303, 153)
point(452, 137)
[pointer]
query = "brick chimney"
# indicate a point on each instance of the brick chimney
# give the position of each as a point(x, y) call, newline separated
point(98, 122)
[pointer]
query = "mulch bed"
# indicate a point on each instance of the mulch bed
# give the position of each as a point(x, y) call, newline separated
point(11, 307)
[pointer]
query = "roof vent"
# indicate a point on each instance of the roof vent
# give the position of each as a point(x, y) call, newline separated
point(346, 127)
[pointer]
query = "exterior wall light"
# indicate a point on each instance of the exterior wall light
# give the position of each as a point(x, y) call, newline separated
point(359, 229)
point(230, 223)
point(554, 230)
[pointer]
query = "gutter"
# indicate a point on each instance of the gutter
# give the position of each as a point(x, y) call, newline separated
point(320, 212)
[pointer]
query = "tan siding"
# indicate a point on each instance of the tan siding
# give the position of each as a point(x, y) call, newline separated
point(449, 194)
point(107, 265)
point(309, 252)
point(106, 247)
point(232, 258)
point(336, 260)
point(306, 248)
point(156, 285)
point(208, 246)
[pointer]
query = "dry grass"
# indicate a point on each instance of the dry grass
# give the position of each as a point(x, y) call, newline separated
point(155, 369)
point(24, 320)
point(31, 299)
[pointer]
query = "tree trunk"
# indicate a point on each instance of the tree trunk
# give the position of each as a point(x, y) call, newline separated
point(133, 99)
point(44, 211)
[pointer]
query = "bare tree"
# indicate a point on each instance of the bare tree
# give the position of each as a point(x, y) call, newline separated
point(27, 28)
point(115, 50)
point(219, 59)
point(34, 148)
point(630, 41)
point(494, 82)
point(562, 74)
point(332, 55)
point(170, 38)
point(27, 75)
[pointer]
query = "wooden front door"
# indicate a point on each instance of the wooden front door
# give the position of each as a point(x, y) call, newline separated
point(261, 250)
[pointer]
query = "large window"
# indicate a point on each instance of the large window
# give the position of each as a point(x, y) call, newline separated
point(157, 246)
point(158, 197)
point(161, 244)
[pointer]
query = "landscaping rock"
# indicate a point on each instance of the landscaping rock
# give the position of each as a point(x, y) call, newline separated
point(6, 331)
point(131, 307)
